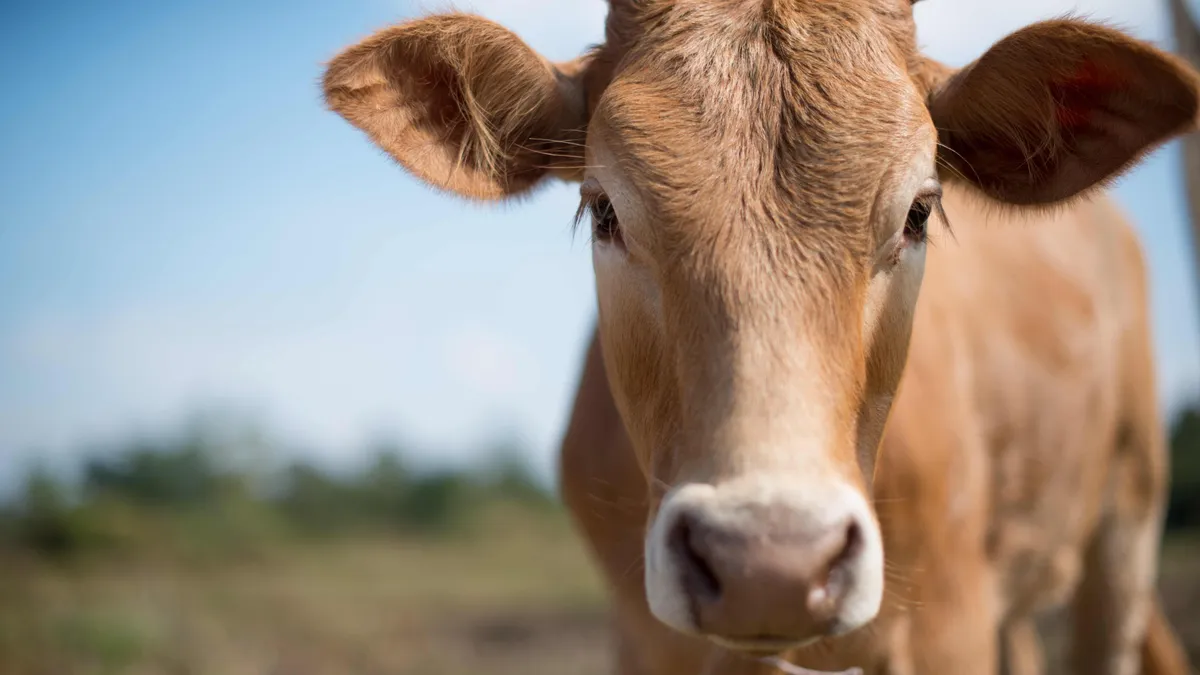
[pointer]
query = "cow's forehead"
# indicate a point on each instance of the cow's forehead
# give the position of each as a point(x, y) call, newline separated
point(764, 113)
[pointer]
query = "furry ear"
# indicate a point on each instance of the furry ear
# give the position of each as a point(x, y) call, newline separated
point(463, 104)
point(1058, 108)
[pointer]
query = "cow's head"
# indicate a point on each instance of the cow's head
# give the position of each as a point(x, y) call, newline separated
point(760, 178)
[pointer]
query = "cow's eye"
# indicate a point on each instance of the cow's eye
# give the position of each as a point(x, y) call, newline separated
point(916, 227)
point(605, 226)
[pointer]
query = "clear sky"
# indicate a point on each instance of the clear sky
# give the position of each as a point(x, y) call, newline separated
point(182, 225)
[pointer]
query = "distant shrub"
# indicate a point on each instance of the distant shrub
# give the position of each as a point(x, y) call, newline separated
point(181, 496)
point(314, 502)
point(1184, 505)
point(162, 475)
point(44, 521)
point(436, 503)
point(388, 496)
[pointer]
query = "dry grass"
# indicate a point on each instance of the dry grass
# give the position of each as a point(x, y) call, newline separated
point(521, 600)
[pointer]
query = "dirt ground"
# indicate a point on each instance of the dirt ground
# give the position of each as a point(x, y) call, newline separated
point(524, 603)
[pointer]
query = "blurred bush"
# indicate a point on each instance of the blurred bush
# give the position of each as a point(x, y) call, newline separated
point(195, 495)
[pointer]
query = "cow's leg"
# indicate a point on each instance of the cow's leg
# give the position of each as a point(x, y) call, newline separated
point(954, 630)
point(1162, 654)
point(1115, 609)
point(968, 644)
point(1113, 605)
point(1021, 648)
point(1119, 629)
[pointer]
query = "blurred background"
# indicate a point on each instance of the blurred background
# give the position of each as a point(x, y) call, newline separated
point(268, 405)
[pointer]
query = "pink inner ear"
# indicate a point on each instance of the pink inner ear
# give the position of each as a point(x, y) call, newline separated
point(1082, 91)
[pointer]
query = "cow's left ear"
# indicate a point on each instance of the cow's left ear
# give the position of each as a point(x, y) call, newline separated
point(464, 104)
point(1057, 108)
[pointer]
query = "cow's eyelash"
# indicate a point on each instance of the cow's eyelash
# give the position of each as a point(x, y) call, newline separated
point(587, 202)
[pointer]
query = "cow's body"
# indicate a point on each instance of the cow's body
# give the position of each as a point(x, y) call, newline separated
point(762, 179)
point(1025, 430)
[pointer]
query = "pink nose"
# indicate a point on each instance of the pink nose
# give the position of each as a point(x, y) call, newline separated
point(773, 584)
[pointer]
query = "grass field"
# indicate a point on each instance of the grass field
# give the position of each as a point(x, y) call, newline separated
point(519, 601)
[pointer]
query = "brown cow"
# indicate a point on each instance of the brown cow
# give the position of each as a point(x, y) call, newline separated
point(761, 178)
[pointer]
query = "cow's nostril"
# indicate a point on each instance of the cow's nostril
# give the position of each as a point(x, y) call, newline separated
point(824, 596)
point(853, 545)
point(699, 580)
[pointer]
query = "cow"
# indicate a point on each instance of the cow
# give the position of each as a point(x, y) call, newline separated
point(872, 381)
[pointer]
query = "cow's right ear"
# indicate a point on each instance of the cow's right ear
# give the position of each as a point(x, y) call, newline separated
point(464, 104)
point(1058, 108)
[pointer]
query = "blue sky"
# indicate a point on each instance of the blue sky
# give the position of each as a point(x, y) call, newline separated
point(182, 225)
